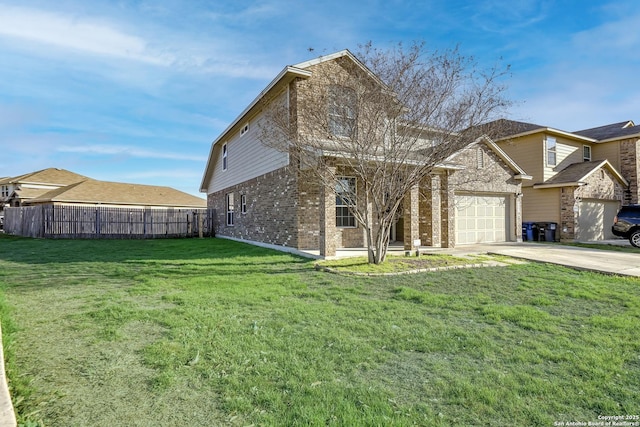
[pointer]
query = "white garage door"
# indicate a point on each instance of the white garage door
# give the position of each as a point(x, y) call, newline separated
point(595, 219)
point(481, 219)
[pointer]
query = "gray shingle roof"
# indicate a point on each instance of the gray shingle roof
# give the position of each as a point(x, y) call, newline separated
point(575, 172)
point(118, 193)
point(614, 130)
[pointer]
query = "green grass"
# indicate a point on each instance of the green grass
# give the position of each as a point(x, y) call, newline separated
point(213, 332)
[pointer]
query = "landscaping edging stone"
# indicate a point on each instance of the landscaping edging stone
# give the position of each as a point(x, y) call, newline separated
point(414, 271)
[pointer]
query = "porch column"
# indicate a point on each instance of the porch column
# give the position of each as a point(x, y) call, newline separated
point(411, 217)
point(518, 216)
point(448, 212)
point(327, 224)
point(434, 201)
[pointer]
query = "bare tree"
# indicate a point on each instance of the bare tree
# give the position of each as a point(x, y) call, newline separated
point(387, 119)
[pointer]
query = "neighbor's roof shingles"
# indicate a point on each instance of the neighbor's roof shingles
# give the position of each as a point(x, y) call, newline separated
point(117, 193)
point(50, 176)
point(614, 130)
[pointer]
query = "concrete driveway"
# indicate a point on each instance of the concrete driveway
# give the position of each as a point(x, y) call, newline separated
point(622, 263)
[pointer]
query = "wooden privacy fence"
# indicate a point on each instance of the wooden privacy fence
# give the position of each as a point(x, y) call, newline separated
point(95, 222)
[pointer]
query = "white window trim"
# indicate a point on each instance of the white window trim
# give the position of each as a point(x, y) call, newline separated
point(243, 204)
point(547, 151)
point(244, 129)
point(342, 118)
point(225, 157)
point(230, 210)
point(355, 187)
point(585, 158)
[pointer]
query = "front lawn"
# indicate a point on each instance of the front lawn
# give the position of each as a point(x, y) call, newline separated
point(213, 332)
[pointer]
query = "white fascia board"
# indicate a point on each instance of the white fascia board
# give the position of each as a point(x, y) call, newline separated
point(617, 138)
point(562, 184)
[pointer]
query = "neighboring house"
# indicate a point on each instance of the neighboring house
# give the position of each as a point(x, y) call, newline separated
point(260, 196)
point(576, 183)
point(61, 187)
point(18, 190)
point(118, 194)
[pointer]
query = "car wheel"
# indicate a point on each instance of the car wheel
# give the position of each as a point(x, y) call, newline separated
point(634, 238)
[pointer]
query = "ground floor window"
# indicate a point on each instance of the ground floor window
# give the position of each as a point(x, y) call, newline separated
point(345, 197)
point(230, 209)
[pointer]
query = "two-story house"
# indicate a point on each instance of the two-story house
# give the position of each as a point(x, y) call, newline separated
point(576, 181)
point(261, 196)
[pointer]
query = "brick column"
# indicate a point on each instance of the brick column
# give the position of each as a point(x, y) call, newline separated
point(518, 216)
point(436, 217)
point(568, 216)
point(411, 217)
point(448, 212)
point(630, 165)
point(327, 224)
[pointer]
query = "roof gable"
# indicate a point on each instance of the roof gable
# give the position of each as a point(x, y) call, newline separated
point(288, 74)
point(519, 172)
point(577, 173)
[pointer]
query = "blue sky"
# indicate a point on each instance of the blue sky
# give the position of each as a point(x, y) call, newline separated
point(136, 91)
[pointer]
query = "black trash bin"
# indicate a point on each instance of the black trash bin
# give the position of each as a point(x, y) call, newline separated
point(529, 230)
point(547, 231)
point(550, 231)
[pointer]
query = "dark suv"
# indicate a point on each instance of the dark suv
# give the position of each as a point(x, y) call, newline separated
point(627, 224)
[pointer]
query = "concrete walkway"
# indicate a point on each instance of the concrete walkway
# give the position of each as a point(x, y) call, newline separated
point(610, 262)
point(604, 261)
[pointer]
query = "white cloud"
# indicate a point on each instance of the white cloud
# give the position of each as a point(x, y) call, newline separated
point(100, 37)
point(120, 150)
point(76, 33)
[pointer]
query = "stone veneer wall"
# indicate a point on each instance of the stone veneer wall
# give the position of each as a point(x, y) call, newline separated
point(272, 203)
point(629, 166)
point(567, 215)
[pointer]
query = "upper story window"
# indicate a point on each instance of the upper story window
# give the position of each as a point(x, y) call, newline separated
point(551, 151)
point(244, 129)
point(586, 153)
point(224, 157)
point(5, 191)
point(345, 197)
point(342, 111)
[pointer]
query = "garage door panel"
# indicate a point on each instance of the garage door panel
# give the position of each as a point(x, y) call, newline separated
point(595, 218)
point(481, 219)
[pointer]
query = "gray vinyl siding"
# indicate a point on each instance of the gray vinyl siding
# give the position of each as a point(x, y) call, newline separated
point(247, 158)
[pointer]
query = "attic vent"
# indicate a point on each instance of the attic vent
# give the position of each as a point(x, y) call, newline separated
point(244, 129)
